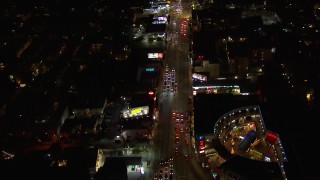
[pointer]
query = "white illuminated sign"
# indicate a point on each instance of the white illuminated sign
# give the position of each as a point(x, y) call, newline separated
point(199, 77)
point(155, 55)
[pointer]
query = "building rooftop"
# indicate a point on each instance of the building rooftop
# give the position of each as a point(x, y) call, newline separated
point(252, 169)
point(208, 108)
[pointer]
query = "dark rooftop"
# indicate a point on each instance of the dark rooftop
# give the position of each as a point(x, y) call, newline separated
point(208, 108)
point(155, 28)
point(252, 169)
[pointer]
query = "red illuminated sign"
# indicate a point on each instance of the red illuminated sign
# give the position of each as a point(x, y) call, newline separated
point(151, 93)
point(271, 138)
point(200, 57)
point(201, 145)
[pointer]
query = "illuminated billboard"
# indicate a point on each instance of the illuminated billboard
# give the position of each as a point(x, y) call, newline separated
point(199, 77)
point(201, 145)
point(135, 112)
point(160, 20)
point(155, 55)
point(271, 138)
point(150, 69)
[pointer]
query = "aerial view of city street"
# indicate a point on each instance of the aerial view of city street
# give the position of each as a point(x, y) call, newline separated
point(159, 90)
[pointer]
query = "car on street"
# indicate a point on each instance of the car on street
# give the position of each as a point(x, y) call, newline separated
point(171, 171)
point(186, 157)
point(176, 153)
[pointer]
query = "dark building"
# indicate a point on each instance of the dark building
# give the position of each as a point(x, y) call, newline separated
point(242, 168)
point(116, 167)
point(208, 108)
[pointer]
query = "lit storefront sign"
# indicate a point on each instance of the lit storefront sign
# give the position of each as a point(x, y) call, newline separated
point(199, 77)
point(160, 20)
point(135, 112)
point(233, 89)
point(271, 138)
point(155, 55)
point(201, 145)
point(150, 69)
point(255, 153)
